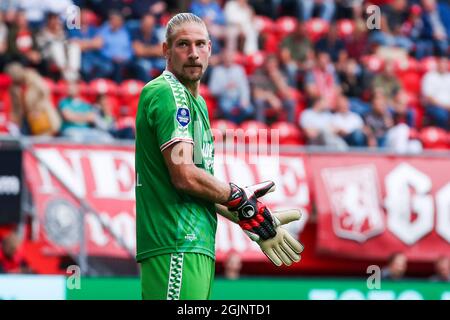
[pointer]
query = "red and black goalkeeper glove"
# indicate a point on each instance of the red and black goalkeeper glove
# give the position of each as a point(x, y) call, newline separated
point(254, 217)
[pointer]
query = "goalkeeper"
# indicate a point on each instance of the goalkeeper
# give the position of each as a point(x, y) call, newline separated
point(177, 195)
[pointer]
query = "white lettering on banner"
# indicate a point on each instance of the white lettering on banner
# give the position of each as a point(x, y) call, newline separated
point(355, 294)
point(122, 225)
point(407, 194)
point(9, 185)
point(113, 172)
point(443, 212)
point(69, 172)
point(108, 175)
point(355, 203)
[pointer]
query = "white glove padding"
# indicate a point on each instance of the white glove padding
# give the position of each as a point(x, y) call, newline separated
point(283, 248)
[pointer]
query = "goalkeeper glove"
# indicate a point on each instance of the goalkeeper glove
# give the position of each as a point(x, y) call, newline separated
point(254, 217)
point(283, 248)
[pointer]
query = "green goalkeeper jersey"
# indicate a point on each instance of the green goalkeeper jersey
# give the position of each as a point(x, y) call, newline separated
point(167, 220)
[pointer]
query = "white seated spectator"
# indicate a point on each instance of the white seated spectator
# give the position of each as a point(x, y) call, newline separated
point(347, 124)
point(229, 84)
point(57, 50)
point(316, 124)
point(239, 16)
point(436, 94)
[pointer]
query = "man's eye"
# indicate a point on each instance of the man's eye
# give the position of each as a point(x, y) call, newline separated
point(182, 44)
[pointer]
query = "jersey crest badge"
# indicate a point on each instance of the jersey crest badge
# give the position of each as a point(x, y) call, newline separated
point(183, 116)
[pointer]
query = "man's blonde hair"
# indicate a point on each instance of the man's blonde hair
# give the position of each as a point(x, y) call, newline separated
point(177, 21)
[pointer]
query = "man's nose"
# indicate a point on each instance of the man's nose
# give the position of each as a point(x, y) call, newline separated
point(193, 52)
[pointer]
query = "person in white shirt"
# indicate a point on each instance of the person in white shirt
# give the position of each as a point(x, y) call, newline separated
point(347, 124)
point(229, 84)
point(239, 17)
point(316, 124)
point(436, 94)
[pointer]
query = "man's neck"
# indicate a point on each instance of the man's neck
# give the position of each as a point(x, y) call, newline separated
point(192, 86)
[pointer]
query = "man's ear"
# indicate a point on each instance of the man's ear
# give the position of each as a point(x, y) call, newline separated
point(166, 50)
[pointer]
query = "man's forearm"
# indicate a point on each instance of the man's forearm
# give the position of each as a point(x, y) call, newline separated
point(201, 184)
point(224, 212)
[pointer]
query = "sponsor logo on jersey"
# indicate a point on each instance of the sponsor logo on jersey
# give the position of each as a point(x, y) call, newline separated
point(183, 116)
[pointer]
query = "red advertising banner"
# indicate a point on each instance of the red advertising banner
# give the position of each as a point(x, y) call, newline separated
point(368, 206)
point(371, 206)
point(69, 182)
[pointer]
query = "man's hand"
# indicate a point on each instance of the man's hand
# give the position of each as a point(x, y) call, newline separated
point(283, 248)
point(253, 216)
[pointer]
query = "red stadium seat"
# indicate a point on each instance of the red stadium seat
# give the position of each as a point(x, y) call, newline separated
point(428, 64)
point(254, 131)
point(131, 87)
point(104, 86)
point(406, 65)
point(211, 102)
point(254, 61)
point(345, 27)
point(264, 24)
point(316, 28)
point(434, 138)
point(411, 81)
point(130, 91)
point(373, 63)
point(221, 127)
point(285, 25)
point(289, 133)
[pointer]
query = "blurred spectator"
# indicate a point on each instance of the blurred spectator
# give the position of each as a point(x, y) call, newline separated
point(357, 44)
point(333, 45)
point(396, 267)
point(233, 266)
point(436, 94)
point(141, 8)
point(240, 25)
point(378, 121)
point(296, 53)
point(32, 108)
point(394, 15)
point(268, 8)
point(79, 119)
point(229, 84)
point(387, 81)
point(106, 122)
point(22, 44)
point(92, 63)
point(271, 91)
point(11, 256)
point(316, 123)
point(214, 18)
point(400, 111)
point(147, 50)
point(441, 269)
point(3, 40)
point(116, 44)
point(60, 53)
point(306, 8)
point(322, 80)
point(434, 35)
point(354, 80)
point(348, 125)
point(399, 136)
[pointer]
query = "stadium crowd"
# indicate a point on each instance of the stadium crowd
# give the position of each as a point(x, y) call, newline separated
point(331, 73)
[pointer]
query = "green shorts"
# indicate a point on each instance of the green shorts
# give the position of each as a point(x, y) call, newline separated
point(186, 276)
